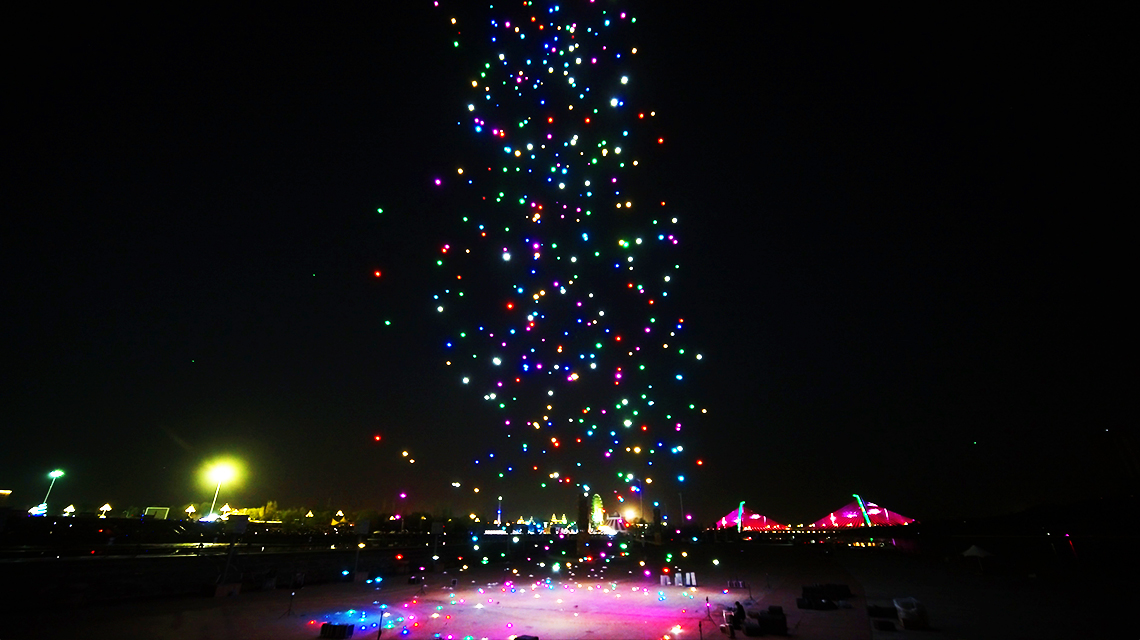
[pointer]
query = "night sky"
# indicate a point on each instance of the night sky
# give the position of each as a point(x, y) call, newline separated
point(902, 230)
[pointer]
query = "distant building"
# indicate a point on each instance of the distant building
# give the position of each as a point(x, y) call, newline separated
point(856, 515)
point(748, 521)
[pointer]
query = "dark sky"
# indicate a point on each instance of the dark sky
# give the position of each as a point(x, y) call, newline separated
point(903, 238)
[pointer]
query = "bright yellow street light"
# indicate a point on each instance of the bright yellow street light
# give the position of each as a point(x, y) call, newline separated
point(220, 472)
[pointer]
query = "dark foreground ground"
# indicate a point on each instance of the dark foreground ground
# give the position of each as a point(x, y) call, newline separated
point(619, 601)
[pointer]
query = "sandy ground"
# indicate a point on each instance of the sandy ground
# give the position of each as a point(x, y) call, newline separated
point(963, 602)
point(493, 604)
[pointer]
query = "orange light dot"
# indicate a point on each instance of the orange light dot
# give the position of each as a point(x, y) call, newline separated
point(376, 273)
point(660, 140)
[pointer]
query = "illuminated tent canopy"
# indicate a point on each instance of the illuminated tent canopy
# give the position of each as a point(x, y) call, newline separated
point(852, 516)
point(751, 521)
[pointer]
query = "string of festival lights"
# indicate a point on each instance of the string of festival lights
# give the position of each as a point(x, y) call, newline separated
point(557, 281)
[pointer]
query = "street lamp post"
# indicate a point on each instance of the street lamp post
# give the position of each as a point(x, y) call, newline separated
point(54, 475)
point(403, 496)
point(641, 507)
point(219, 473)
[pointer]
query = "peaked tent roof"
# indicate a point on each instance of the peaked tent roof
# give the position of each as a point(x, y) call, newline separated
point(851, 516)
point(616, 522)
point(752, 521)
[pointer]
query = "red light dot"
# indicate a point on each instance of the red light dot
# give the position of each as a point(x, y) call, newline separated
point(376, 438)
point(376, 273)
point(660, 140)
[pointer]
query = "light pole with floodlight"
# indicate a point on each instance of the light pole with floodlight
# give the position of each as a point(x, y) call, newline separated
point(219, 473)
point(54, 475)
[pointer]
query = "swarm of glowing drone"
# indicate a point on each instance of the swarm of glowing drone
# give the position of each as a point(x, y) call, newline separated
point(557, 280)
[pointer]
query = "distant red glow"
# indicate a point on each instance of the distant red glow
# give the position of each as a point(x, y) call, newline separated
point(376, 438)
point(376, 273)
point(852, 516)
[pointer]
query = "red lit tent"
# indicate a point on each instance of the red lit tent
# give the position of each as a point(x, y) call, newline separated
point(852, 516)
point(752, 521)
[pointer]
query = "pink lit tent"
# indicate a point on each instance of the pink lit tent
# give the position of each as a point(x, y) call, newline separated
point(852, 516)
point(752, 521)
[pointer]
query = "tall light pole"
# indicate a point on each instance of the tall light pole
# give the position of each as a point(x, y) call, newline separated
point(54, 475)
point(641, 507)
point(499, 517)
point(219, 473)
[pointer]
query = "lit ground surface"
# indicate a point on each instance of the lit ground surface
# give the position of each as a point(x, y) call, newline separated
point(497, 604)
